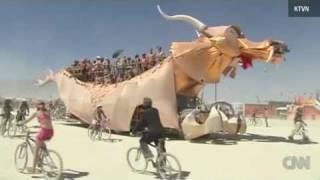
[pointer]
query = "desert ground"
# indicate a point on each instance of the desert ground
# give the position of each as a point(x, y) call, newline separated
point(256, 155)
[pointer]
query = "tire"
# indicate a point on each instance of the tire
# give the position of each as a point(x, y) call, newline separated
point(107, 132)
point(2, 127)
point(23, 129)
point(92, 132)
point(12, 131)
point(21, 157)
point(134, 155)
point(52, 165)
point(6, 129)
point(165, 167)
point(224, 104)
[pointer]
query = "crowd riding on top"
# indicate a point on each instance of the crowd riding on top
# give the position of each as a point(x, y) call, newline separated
point(106, 71)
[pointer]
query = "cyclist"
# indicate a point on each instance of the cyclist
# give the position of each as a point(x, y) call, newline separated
point(299, 125)
point(45, 133)
point(6, 114)
point(23, 111)
point(99, 117)
point(151, 121)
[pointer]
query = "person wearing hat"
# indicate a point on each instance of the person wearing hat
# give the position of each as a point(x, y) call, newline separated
point(46, 130)
point(150, 120)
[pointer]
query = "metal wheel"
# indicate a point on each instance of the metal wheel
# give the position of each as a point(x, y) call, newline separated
point(1, 121)
point(92, 132)
point(135, 160)
point(2, 128)
point(168, 166)
point(52, 165)
point(105, 132)
point(108, 131)
point(224, 107)
point(23, 129)
point(21, 157)
point(6, 128)
point(12, 131)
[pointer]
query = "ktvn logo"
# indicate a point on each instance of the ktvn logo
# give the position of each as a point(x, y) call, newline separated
point(301, 9)
point(296, 162)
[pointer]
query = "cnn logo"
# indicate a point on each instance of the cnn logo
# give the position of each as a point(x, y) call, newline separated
point(296, 162)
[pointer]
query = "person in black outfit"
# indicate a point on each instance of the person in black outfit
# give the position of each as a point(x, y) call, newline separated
point(6, 115)
point(299, 125)
point(151, 121)
point(23, 111)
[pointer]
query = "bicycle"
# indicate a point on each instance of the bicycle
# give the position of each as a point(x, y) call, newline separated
point(50, 162)
point(162, 163)
point(96, 130)
point(17, 127)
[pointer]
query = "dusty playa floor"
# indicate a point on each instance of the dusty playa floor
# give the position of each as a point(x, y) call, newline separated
point(256, 155)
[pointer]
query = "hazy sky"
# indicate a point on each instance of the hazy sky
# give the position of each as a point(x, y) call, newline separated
point(39, 34)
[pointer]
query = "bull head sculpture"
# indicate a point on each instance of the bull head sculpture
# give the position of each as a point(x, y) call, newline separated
point(217, 50)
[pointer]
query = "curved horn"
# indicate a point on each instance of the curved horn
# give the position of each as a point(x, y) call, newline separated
point(198, 25)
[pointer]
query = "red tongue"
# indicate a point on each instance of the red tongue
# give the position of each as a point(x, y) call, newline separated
point(246, 62)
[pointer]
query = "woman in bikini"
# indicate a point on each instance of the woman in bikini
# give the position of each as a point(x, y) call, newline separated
point(46, 130)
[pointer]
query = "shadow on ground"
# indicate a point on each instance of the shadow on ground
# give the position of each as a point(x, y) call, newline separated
point(112, 140)
point(184, 175)
point(232, 139)
point(219, 139)
point(74, 124)
point(73, 174)
point(67, 174)
point(170, 137)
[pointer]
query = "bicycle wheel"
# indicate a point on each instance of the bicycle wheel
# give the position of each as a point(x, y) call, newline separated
point(21, 157)
point(92, 132)
point(2, 129)
point(23, 129)
point(168, 166)
point(52, 164)
point(10, 126)
point(106, 132)
point(12, 131)
point(5, 128)
point(136, 160)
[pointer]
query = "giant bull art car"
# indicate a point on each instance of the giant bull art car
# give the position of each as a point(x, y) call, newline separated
point(216, 52)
